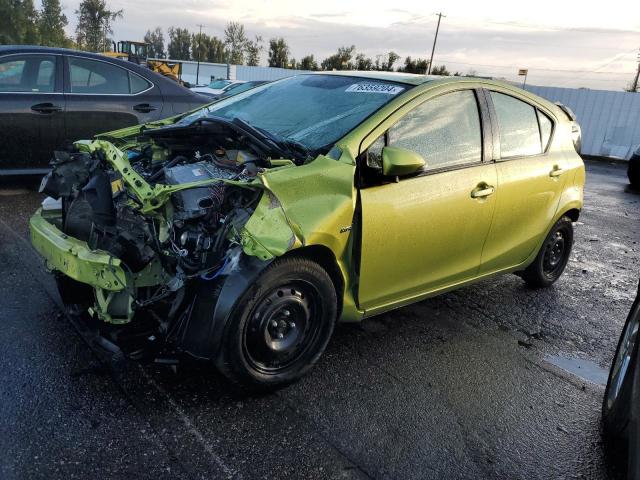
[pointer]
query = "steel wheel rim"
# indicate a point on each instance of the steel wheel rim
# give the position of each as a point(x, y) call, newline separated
point(621, 363)
point(282, 326)
point(555, 251)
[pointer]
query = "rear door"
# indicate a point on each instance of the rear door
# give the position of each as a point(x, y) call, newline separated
point(102, 96)
point(424, 233)
point(530, 181)
point(31, 110)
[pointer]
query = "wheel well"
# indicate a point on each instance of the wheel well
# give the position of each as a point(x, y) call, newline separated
point(573, 214)
point(324, 257)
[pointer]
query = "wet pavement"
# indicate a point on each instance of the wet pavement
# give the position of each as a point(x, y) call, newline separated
point(490, 381)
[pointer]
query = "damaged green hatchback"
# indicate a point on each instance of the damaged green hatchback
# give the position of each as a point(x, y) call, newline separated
point(241, 232)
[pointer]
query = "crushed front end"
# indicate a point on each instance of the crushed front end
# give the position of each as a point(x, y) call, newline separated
point(137, 234)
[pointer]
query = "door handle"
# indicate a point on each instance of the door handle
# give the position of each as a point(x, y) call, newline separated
point(556, 171)
point(45, 108)
point(482, 191)
point(144, 108)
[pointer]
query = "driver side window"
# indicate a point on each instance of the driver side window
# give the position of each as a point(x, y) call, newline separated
point(444, 130)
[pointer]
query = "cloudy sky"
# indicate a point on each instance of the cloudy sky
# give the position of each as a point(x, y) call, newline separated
point(562, 42)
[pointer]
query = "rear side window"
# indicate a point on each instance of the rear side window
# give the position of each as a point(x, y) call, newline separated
point(444, 130)
point(138, 84)
point(27, 73)
point(518, 123)
point(95, 77)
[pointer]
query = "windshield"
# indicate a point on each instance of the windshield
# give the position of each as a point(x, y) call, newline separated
point(312, 110)
point(219, 84)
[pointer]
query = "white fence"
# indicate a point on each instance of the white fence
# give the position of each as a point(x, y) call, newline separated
point(610, 121)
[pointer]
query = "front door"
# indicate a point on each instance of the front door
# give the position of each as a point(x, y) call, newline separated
point(427, 232)
point(31, 110)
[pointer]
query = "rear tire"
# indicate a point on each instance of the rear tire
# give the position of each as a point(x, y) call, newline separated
point(552, 257)
point(280, 326)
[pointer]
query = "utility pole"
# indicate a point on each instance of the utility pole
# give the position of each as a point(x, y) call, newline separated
point(198, 65)
point(440, 15)
point(635, 81)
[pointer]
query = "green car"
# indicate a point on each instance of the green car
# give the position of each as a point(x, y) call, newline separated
point(241, 232)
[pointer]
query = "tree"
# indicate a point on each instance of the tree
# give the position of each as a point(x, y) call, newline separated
point(51, 23)
point(253, 49)
point(419, 65)
point(155, 39)
point(340, 60)
point(278, 53)
point(94, 25)
point(441, 70)
point(307, 63)
point(18, 22)
point(363, 63)
point(387, 63)
point(235, 40)
point(179, 44)
point(200, 46)
point(216, 52)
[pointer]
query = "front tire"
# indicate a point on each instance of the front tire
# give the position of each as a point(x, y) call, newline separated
point(552, 257)
point(280, 326)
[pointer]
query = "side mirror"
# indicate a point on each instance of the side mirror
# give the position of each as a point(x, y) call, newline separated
point(397, 162)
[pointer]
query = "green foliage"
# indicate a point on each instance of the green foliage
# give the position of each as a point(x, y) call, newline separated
point(211, 49)
point(235, 41)
point(419, 65)
point(51, 23)
point(340, 60)
point(18, 22)
point(440, 70)
point(179, 44)
point(155, 39)
point(307, 63)
point(278, 53)
point(253, 49)
point(385, 62)
point(94, 25)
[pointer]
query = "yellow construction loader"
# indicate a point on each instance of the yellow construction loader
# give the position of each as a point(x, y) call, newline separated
point(137, 52)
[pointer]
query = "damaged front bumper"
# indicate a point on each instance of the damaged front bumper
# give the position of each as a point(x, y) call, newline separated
point(74, 258)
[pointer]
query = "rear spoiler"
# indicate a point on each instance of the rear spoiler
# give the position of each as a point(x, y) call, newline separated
point(567, 111)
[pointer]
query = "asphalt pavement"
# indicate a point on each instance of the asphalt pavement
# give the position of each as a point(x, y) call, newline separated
point(491, 381)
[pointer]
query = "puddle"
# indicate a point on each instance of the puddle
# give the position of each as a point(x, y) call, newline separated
point(585, 369)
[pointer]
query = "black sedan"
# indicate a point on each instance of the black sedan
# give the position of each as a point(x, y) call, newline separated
point(50, 97)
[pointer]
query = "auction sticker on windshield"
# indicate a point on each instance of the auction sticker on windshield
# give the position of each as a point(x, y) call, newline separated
point(374, 88)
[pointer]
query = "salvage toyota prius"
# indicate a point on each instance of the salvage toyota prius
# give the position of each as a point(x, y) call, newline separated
point(240, 233)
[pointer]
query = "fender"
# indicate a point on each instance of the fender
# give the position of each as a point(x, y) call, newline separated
point(212, 306)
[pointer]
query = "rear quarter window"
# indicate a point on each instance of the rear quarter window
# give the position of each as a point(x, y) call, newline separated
point(518, 124)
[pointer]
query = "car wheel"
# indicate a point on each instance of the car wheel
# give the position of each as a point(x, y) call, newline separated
point(552, 257)
point(618, 396)
point(280, 325)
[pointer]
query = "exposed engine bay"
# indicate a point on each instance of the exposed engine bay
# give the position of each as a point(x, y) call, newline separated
point(169, 212)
